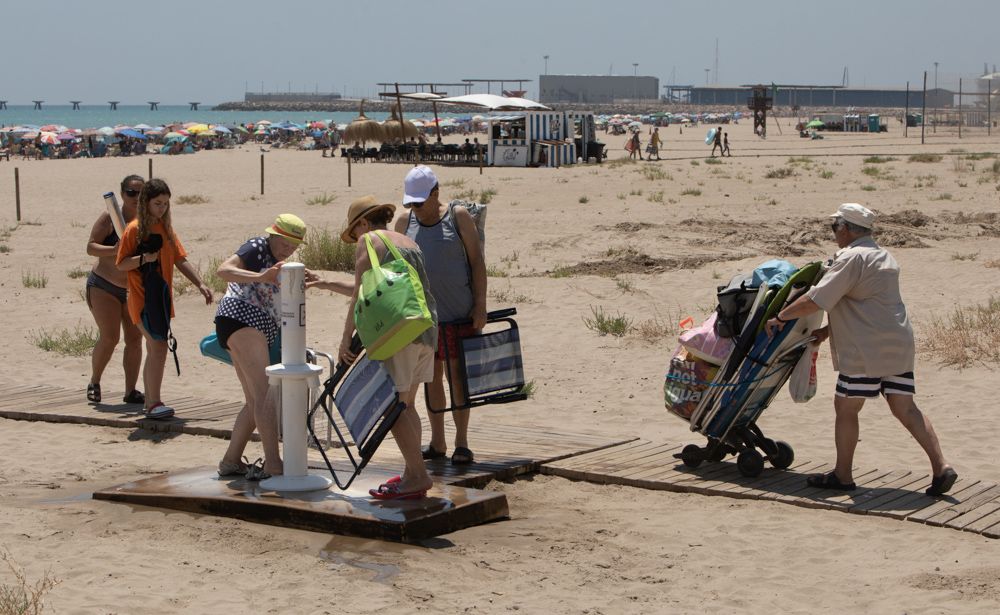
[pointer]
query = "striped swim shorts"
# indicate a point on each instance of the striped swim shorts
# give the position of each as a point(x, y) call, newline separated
point(866, 386)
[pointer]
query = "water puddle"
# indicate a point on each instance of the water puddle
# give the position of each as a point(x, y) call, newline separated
point(70, 499)
point(383, 572)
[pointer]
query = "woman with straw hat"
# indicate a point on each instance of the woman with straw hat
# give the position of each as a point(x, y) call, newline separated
point(247, 323)
point(409, 367)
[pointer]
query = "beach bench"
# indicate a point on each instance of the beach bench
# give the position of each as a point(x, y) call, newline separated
point(490, 368)
point(358, 404)
point(5, 153)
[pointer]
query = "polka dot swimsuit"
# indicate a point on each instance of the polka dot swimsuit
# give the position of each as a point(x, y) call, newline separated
point(253, 304)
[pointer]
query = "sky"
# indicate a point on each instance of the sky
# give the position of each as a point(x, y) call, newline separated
point(176, 51)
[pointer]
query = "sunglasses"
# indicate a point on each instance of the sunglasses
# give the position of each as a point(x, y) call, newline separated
point(131, 193)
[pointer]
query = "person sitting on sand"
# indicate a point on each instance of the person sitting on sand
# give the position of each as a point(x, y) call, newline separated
point(144, 260)
point(107, 298)
point(247, 322)
point(409, 367)
point(871, 343)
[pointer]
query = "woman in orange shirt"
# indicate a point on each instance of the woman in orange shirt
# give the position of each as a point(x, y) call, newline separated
point(150, 247)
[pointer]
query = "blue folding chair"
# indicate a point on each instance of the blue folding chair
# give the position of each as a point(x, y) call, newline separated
point(359, 401)
point(490, 367)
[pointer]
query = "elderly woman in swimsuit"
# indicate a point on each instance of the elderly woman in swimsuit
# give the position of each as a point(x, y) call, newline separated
point(107, 300)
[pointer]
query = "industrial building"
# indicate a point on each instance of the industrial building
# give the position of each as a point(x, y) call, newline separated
point(791, 95)
point(596, 89)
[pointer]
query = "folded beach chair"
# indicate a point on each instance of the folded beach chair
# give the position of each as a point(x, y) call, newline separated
point(490, 367)
point(359, 405)
point(758, 367)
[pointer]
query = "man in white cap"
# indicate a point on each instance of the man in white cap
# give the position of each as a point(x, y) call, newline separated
point(456, 269)
point(871, 342)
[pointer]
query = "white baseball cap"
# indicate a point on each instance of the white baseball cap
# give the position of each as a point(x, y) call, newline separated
point(855, 214)
point(419, 183)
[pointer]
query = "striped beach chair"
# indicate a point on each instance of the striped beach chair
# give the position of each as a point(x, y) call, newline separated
point(491, 370)
point(359, 405)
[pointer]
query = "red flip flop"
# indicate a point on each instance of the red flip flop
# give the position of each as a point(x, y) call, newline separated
point(390, 491)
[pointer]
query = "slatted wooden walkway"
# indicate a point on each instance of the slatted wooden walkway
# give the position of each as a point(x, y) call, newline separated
point(971, 506)
point(501, 451)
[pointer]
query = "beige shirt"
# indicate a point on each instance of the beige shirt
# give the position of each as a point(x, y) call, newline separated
point(870, 333)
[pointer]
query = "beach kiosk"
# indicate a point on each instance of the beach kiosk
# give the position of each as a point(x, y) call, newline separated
point(523, 132)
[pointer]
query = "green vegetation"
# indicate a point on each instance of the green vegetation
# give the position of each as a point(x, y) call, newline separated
point(968, 256)
point(824, 174)
point(76, 343)
point(868, 188)
point(583, 200)
point(77, 273)
point(925, 158)
point(655, 173)
point(969, 335)
point(655, 197)
point(879, 159)
point(779, 173)
point(31, 279)
point(691, 192)
point(325, 251)
point(980, 156)
point(713, 161)
point(605, 324)
point(23, 597)
point(321, 199)
point(191, 199)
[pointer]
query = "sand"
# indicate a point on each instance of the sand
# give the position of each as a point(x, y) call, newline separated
point(560, 243)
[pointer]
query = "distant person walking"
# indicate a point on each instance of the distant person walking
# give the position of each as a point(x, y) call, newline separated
point(725, 145)
point(654, 144)
point(634, 147)
point(717, 141)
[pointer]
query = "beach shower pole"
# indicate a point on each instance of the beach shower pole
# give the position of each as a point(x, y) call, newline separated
point(923, 112)
point(296, 379)
point(262, 174)
point(17, 192)
point(989, 107)
point(348, 171)
point(906, 114)
point(959, 107)
point(150, 168)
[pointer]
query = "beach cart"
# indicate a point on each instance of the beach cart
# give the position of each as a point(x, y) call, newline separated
point(723, 403)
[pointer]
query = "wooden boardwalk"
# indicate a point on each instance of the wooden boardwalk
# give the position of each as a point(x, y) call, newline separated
point(501, 451)
point(971, 506)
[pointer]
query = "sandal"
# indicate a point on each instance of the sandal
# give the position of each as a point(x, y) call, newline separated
point(429, 452)
point(390, 491)
point(228, 468)
point(158, 411)
point(829, 481)
point(133, 397)
point(255, 471)
point(94, 393)
point(941, 484)
point(462, 456)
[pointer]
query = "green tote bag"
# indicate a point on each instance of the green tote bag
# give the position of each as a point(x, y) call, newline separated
point(391, 310)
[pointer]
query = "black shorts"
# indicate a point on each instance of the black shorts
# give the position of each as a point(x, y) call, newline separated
point(226, 326)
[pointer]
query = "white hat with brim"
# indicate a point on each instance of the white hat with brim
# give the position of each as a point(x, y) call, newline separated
point(855, 214)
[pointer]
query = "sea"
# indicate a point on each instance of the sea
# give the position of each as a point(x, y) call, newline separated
point(97, 116)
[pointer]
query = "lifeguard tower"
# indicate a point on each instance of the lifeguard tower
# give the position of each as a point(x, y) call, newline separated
point(760, 103)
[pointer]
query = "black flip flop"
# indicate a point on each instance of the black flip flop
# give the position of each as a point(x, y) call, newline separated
point(134, 397)
point(461, 457)
point(429, 452)
point(94, 393)
point(829, 481)
point(940, 485)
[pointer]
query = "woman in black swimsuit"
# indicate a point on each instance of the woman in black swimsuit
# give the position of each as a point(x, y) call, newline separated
point(106, 298)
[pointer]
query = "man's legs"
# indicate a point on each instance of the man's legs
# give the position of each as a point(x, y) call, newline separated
point(905, 409)
point(846, 431)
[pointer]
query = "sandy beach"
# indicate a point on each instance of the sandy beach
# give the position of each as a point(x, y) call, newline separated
point(647, 240)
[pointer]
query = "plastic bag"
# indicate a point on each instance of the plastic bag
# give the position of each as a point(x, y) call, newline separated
point(802, 382)
point(704, 343)
point(687, 380)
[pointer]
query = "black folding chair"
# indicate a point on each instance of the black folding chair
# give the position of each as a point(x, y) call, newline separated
point(360, 401)
point(490, 368)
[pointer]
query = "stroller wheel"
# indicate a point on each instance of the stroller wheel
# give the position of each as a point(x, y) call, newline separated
point(691, 455)
point(769, 446)
point(784, 457)
point(750, 463)
point(718, 454)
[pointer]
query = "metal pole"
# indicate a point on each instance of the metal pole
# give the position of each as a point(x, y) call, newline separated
point(907, 112)
point(935, 97)
point(959, 107)
point(150, 168)
point(17, 192)
point(349, 170)
point(262, 174)
point(989, 107)
point(479, 155)
point(923, 112)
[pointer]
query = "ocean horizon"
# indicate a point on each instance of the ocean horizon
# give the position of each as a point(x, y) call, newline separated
point(96, 116)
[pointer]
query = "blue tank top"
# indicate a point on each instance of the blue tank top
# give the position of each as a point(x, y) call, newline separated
point(447, 265)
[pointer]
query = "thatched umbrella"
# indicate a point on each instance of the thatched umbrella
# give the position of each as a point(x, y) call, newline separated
point(393, 128)
point(363, 129)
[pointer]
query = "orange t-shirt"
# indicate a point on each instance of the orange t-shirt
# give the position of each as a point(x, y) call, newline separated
point(170, 253)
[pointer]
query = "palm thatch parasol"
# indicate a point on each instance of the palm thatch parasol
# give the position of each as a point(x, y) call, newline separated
point(394, 129)
point(363, 129)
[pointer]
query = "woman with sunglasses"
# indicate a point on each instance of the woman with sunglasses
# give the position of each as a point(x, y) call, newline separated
point(107, 300)
point(148, 252)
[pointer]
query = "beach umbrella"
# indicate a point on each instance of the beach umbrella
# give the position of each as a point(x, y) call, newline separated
point(363, 129)
point(129, 132)
point(173, 134)
point(815, 124)
point(51, 128)
point(28, 136)
point(49, 138)
point(106, 131)
point(264, 122)
point(221, 129)
point(67, 136)
point(143, 127)
point(196, 128)
point(393, 128)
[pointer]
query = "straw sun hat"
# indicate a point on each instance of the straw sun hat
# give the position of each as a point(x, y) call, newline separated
point(359, 209)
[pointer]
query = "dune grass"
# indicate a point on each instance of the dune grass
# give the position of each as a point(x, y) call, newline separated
point(968, 335)
point(191, 199)
point(606, 324)
point(925, 158)
point(22, 597)
point(325, 251)
point(76, 343)
point(321, 199)
point(34, 279)
point(779, 173)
